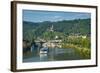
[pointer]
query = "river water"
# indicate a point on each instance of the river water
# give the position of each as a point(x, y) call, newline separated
point(54, 54)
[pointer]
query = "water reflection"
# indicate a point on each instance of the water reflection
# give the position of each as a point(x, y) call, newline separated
point(43, 57)
point(54, 54)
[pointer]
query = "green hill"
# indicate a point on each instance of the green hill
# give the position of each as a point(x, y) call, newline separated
point(32, 30)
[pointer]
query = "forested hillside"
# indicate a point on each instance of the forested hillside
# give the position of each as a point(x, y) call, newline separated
point(32, 30)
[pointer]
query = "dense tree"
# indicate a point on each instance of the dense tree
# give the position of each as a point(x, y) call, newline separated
point(63, 28)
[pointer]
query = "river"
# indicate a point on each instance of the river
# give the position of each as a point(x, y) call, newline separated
point(54, 54)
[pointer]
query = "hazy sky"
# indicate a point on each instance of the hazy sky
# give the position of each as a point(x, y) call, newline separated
point(40, 16)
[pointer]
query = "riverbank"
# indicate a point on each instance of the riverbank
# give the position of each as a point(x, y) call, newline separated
point(82, 51)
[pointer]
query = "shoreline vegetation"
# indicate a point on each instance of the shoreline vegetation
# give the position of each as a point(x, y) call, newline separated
point(82, 45)
point(84, 52)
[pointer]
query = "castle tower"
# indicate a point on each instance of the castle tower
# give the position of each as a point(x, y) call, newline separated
point(52, 28)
